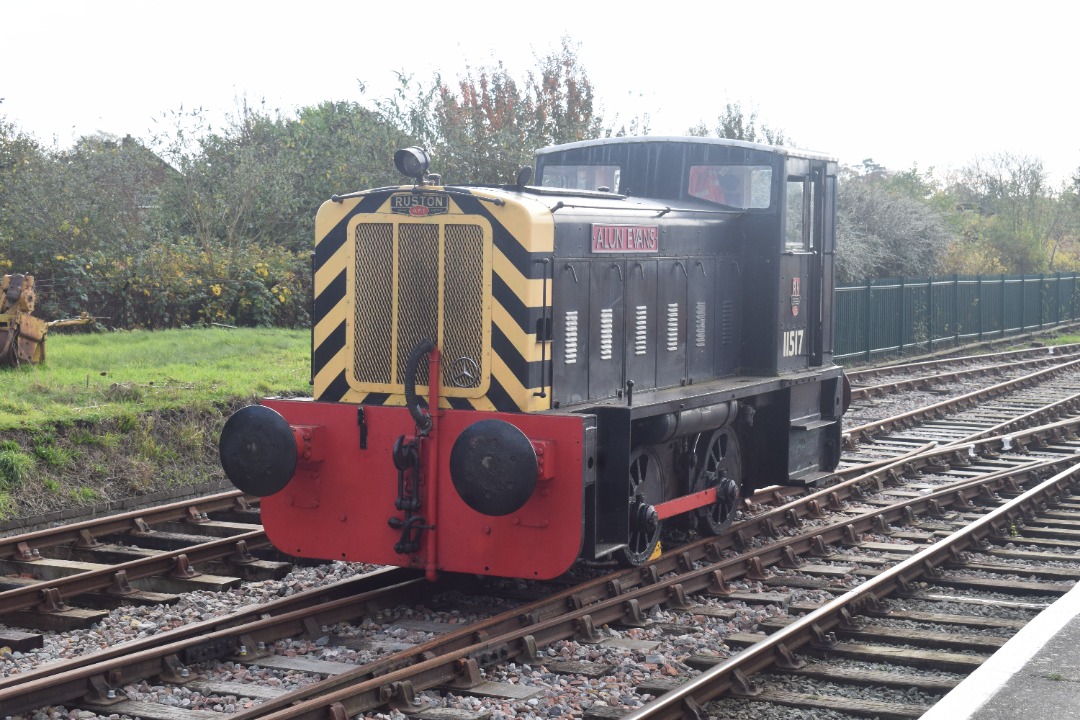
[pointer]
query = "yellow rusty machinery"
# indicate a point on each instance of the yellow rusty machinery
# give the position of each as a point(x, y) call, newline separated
point(22, 336)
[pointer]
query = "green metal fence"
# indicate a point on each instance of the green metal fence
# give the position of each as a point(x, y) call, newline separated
point(893, 315)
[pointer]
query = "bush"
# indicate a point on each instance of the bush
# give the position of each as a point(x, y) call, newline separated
point(179, 283)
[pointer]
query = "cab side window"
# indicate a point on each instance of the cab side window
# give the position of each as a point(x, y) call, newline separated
point(796, 209)
point(736, 186)
point(713, 184)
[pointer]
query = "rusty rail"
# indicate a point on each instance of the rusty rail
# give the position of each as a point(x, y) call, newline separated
point(690, 698)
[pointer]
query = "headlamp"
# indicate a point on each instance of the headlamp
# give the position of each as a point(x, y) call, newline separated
point(412, 162)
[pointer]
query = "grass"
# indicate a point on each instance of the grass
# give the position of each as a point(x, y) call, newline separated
point(1062, 340)
point(84, 494)
point(122, 375)
point(113, 415)
point(15, 466)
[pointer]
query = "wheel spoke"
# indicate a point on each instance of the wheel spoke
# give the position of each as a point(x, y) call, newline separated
point(720, 469)
point(646, 488)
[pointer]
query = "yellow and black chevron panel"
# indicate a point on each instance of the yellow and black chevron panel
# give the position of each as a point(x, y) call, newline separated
point(469, 271)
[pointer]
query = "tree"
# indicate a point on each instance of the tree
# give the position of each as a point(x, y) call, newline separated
point(1007, 215)
point(233, 186)
point(735, 123)
point(411, 110)
point(883, 233)
point(913, 183)
point(562, 99)
point(246, 196)
point(337, 147)
point(483, 129)
point(233, 204)
point(1067, 251)
point(638, 124)
point(490, 126)
point(63, 209)
point(21, 158)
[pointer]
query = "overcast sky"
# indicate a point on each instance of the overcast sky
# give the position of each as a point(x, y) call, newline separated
point(933, 83)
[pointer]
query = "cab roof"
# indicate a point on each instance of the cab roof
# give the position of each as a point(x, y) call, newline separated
point(688, 140)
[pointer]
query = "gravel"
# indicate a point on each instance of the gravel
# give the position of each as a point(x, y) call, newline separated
point(634, 654)
point(658, 652)
point(130, 623)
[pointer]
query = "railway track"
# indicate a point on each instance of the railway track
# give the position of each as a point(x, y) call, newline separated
point(800, 662)
point(145, 556)
point(816, 546)
point(756, 565)
point(928, 375)
point(929, 369)
point(1023, 400)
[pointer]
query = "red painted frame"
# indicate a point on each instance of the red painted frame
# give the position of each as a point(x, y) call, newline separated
point(337, 508)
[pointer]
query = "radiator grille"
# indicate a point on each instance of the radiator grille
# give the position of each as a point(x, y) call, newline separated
point(403, 272)
point(463, 292)
point(374, 314)
point(417, 293)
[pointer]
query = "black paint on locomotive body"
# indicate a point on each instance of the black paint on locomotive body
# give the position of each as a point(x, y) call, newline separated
point(732, 310)
point(639, 339)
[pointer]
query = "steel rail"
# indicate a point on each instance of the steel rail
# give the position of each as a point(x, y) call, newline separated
point(921, 383)
point(194, 632)
point(809, 507)
point(1053, 430)
point(1068, 405)
point(131, 662)
point(355, 692)
point(688, 700)
point(862, 468)
point(712, 548)
point(1011, 428)
point(865, 432)
point(857, 374)
point(104, 670)
point(139, 659)
point(115, 578)
point(343, 588)
point(14, 546)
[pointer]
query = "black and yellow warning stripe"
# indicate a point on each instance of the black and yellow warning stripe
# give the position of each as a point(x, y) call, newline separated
point(521, 238)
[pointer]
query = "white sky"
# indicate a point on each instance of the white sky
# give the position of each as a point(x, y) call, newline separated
point(933, 83)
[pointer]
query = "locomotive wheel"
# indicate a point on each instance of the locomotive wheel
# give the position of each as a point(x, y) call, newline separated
point(646, 491)
point(719, 465)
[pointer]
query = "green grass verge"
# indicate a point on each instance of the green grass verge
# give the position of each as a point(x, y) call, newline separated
point(1062, 340)
point(121, 375)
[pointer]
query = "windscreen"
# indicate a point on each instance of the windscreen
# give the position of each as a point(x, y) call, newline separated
point(604, 178)
point(738, 186)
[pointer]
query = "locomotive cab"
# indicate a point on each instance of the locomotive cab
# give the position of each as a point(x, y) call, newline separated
point(750, 274)
point(507, 379)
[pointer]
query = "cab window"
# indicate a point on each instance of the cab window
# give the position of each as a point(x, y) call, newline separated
point(796, 235)
point(737, 186)
point(582, 177)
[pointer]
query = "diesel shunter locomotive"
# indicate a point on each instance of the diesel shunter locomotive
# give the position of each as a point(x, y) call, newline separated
point(510, 378)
